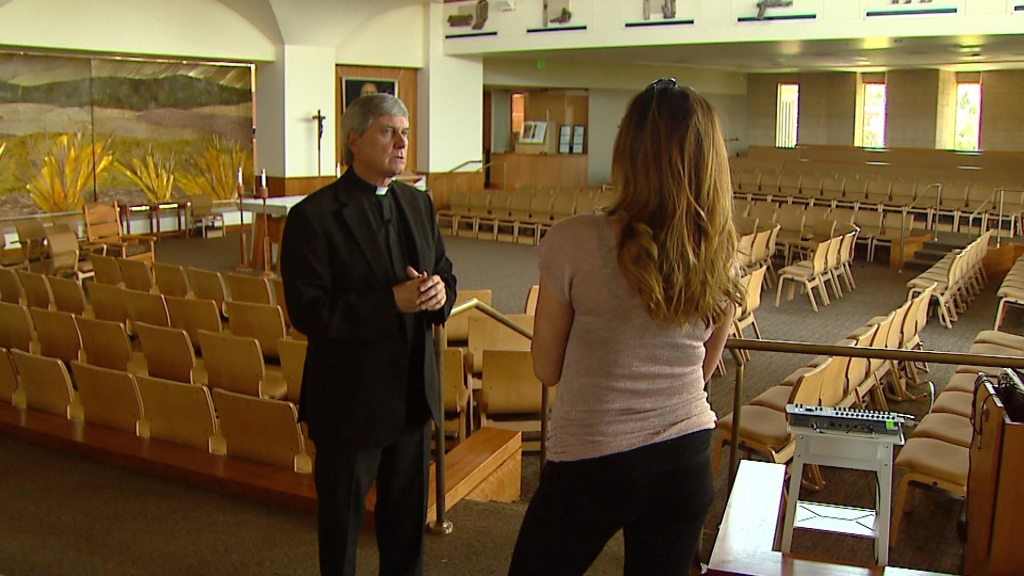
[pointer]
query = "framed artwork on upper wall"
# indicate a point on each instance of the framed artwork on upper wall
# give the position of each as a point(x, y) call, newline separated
point(352, 88)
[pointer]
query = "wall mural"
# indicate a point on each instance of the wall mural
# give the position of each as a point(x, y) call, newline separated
point(75, 130)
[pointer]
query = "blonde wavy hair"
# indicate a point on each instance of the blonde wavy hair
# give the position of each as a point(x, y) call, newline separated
point(678, 243)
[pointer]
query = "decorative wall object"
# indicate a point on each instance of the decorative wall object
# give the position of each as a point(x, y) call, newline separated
point(887, 8)
point(775, 10)
point(353, 88)
point(66, 120)
point(656, 13)
point(533, 132)
point(469, 18)
point(557, 16)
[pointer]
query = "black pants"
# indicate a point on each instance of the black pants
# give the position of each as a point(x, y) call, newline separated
point(342, 480)
point(658, 495)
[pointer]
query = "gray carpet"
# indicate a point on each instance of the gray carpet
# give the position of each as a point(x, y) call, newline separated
point(62, 514)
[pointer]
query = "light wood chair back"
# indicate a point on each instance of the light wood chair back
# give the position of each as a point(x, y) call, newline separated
point(169, 353)
point(179, 413)
point(31, 236)
point(293, 361)
point(209, 221)
point(264, 322)
point(8, 377)
point(57, 334)
point(10, 287)
point(136, 274)
point(531, 300)
point(110, 398)
point(104, 344)
point(103, 230)
point(46, 385)
point(68, 295)
point(193, 315)
point(208, 285)
point(456, 392)
point(145, 307)
point(254, 289)
point(106, 270)
point(278, 286)
point(65, 254)
point(457, 328)
point(108, 302)
point(37, 291)
point(510, 389)
point(807, 389)
point(261, 430)
point(235, 363)
point(16, 330)
point(171, 280)
point(488, 334)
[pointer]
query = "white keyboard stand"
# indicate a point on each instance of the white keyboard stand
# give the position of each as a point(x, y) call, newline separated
point(853, 450)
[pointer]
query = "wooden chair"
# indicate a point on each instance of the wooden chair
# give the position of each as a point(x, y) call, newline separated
point(64, 256)
point(510, 394)
point(293, 360)
point(193, 315)
point(171, 280)
point(68, 296)
point(447, 219)
point(208, 285)
point(264, 322)
point(179, 413)
point(235, 363)
point(489, 334)
point(261, 430)
point(751, 302)
point(531, 300)
point(11, 261)
point(108, 302)
point(32, 237)
point(103, 231)
point(16, 330)
point(254, 289)
point(11, 291)
point(145, 307)
point(105, 344)
point(8, 377)
point(106, 270)
point(202, 216)
point(136, 274)
point(46, 385)
point(928, 462)
point(37, 291)
point(457, 412)
point(170, 355)
point(57, 334)
point(277, 284)
point(110, 398)
point(457, 328)
point(808, 273)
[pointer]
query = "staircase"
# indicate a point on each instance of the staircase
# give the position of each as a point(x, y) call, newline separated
point(937, 249)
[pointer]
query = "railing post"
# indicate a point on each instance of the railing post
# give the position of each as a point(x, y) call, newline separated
point(441, 524)
point(999, 222)
point(938, 206)
point(903, 232)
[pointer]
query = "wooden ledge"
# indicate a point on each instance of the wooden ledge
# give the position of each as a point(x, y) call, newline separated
point(747, 535)
point(467, 465)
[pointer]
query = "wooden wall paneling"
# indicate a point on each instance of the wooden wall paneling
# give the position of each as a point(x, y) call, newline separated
point(406, 78)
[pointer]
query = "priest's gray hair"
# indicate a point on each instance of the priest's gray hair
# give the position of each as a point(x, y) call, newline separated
point(360, 114)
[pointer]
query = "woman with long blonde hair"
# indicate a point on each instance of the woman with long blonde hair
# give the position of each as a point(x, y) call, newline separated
point(632, 318)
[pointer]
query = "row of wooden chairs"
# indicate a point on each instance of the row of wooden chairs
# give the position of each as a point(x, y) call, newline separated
point(522, 216)
point(217, 420)
point(1011, 291)
point(938, 452)
point(958, 277)
point(829, 260)
point(828, 381)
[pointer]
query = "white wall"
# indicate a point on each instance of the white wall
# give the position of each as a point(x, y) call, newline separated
point(501, 121)
point(394, 38)
point(605, 109)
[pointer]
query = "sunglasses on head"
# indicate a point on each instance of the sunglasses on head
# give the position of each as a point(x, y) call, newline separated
point(662, 84)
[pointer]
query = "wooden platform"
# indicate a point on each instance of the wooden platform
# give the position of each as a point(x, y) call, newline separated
point(746, 538)
point(486, 466)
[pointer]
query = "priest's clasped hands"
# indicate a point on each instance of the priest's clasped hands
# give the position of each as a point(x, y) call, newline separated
point(421, 292)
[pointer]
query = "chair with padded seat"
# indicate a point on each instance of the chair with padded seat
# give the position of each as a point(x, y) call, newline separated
point(457, 327)
point(193, 315)
point(293, 361)
point(262, 430)
point(949, 428)
point(106, 270)
point(169, 354)
point(103, 232)
point(57, 334)
point(927, 462)
point(179, 413)
point(110, 398)
point(208, 285)
point(11, 291)
point(8, 377)
point(45, 385)
point(37, 291)
point(264, 322)
point(244, 288)
point(136, 275)
point(171, 280)
point(106, 344)
point(235, 363)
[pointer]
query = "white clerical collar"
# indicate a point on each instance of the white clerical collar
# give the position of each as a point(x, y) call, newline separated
point(382, 191)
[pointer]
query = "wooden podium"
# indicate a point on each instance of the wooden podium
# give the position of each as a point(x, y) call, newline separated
point(995, 498)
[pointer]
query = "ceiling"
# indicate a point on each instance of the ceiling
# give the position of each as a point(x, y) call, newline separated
point(866, 54)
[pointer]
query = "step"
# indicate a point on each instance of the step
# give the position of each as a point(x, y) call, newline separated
point(918, 265)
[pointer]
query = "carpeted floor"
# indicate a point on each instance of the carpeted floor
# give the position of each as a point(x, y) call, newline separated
point(62, 514)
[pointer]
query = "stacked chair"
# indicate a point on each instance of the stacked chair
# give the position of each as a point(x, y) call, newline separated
point(958, 278)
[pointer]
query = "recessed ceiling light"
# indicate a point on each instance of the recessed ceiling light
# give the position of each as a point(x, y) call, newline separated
point(969, 49)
